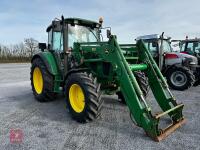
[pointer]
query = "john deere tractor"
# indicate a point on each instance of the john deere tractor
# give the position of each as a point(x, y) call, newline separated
point(79, 64)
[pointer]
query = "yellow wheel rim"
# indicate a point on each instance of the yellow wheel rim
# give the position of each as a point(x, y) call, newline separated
point(76, 98)
point(37, 80)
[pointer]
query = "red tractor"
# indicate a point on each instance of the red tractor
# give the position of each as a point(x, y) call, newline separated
point(191, 47)
point(178, 68)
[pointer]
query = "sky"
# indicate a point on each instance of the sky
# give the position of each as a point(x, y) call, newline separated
point(128, 18)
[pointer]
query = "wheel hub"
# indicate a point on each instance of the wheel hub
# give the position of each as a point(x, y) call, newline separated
point(37, 80)
point(76, 98)
point(178, 78)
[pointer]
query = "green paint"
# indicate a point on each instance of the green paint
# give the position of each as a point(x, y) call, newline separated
point(113, 65)
point(49, 57)
point(113, 55)
point(137, 67)
point(53, 69)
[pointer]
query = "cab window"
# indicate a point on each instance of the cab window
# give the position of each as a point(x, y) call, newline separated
point(182, 47)
point(57, 41)
point(196, 47)
point(189, 48)
point(152, 46)
point(49, 38)
point(78, 33)
point(166, 46)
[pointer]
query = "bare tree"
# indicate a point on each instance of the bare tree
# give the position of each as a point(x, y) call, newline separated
point(21, 52)
point(31, 46)
point(0, 51)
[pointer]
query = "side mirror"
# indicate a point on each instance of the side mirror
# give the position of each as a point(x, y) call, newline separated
point(108, 32)
point(42, 46)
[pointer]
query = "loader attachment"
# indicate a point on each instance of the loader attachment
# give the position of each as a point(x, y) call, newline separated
point(124, 64)
point(162, 95)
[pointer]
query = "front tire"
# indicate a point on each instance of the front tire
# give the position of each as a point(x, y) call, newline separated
point(197, 83)
point(180, 78)
point(83, 97)
point(197, 77)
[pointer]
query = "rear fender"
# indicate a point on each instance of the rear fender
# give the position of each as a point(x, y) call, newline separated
point(75, 71)
point(49, 61)
point(166, 69)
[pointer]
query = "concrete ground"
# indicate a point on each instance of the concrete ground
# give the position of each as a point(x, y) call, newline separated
point(49, 125)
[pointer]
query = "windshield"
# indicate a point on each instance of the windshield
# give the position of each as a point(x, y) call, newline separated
point(80, 34)
point(166, 46)
point(151, 45)
point(182, 47)
point(190, 47)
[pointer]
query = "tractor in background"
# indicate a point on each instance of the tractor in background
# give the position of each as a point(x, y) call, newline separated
point(178, 68)
point(191, 47)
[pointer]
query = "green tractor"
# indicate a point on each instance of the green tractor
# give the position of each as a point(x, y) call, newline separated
point(79, 64)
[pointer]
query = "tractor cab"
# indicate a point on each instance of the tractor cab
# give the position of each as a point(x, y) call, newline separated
point(62, 34)
point(158, 46)
point(191, 47)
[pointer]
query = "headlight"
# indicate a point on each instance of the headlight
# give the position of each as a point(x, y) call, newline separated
point(192, 63)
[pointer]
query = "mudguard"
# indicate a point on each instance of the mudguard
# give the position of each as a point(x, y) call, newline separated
point(49, 61)
point(164, 71)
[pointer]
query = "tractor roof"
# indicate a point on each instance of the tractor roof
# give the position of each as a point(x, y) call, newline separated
point(191, 40)
point(187, 40)
point(151, 37)
point(79, 21)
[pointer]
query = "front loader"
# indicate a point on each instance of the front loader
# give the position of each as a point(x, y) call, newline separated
point(77, 63)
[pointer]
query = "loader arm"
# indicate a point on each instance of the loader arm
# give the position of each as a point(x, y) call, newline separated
point(122, 74)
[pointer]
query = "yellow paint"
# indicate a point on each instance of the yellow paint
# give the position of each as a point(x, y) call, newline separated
point(76, 98)
point(37, 80)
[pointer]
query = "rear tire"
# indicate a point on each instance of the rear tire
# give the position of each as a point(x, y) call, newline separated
point(143, 83)
point(197, 77)
point(42, 82)
point(180, 78)
point(196, 83)
point(83, 97)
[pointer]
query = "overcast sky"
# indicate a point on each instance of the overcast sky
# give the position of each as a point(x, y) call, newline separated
point(21, 19)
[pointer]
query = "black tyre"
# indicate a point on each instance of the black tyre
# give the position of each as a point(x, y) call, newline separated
point(143, 83)
point(197, 77)
point(197, 83)
point(180, 78)
point(83, 97)
point(41, 81)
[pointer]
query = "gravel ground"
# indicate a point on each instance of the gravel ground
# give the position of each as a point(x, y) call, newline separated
point(49, 125)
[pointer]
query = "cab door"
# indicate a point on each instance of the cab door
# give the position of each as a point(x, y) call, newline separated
point(55, 43)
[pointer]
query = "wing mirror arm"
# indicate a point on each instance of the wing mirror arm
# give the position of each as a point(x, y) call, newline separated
point(108, 33)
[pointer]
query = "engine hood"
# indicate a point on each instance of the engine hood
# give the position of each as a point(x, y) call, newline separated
point(186, 56)
point(181, 58)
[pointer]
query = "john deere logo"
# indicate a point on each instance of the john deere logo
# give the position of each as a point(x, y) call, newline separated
point(93, 49)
